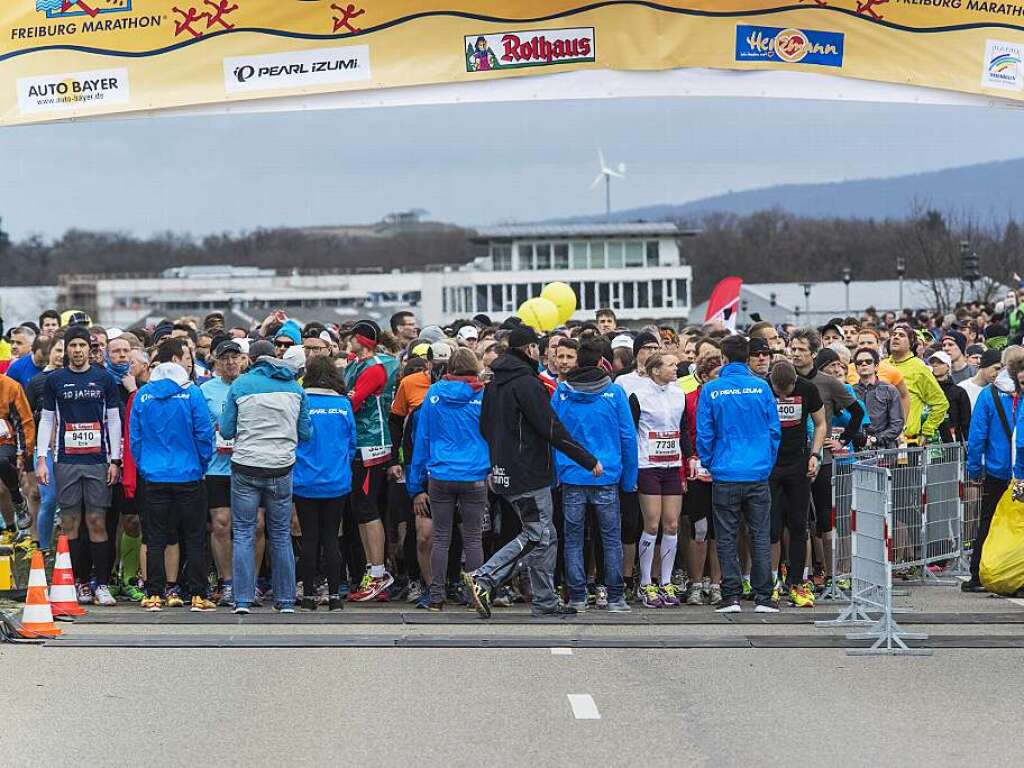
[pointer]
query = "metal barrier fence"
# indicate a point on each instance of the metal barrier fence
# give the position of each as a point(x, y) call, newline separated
point(874, 493)
point(933, 512)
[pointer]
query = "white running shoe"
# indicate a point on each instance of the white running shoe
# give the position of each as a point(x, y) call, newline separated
point(102, 596)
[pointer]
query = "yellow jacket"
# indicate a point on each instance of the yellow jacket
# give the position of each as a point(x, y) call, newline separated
point(924, 391)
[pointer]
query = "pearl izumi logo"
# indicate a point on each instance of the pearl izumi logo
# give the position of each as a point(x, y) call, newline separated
point(538, 48)
point(322, 66)
point(72, 91)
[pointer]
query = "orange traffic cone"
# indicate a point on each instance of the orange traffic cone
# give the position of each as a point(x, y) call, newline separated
point(37, 618)
point(63, 595)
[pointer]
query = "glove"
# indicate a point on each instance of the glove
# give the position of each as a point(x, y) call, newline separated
point(1018, 490)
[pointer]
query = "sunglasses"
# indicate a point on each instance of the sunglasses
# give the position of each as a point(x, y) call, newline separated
point(761, 353)
point(284, 344)
point(865, 361)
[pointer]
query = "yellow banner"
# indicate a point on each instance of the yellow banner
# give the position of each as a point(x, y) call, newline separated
point(71, 58)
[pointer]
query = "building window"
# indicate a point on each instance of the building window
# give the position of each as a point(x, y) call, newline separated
point(657, 294)
point(444, 301)
point(603, 295)
point(526, 256)
point(521, 291)
point(536, 288)
point(579, 256)
point(614, 260)
point(501, 258)
point(597, 255)
point(616, 296)
point(481, 299)
point(467, 299)
point(652, 253)
point(577, 288)
point(561, 256)
point(643, 299)
point(497, 302)
point(628, 295)
point(634, 254)
point(543, 256)
point(682, 300)
point(589, 295)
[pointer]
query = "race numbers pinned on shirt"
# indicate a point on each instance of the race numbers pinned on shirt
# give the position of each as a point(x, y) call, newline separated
point(664, 447)
point(791, 410)
point(375, 454)
point(223, 444)
point(83, 437)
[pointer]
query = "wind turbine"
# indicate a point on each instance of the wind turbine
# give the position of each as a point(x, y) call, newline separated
point(606, 174)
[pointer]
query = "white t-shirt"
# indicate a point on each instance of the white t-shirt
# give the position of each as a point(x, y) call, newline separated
point(973, 390)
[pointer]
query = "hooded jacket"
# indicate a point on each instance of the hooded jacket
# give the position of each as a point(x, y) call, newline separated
point(448, 443)
point(266, 413)
point(170, 431)
point(596, 413)
point(323, 464)
point(738, 427)
point(988, 445)
point(520, 428)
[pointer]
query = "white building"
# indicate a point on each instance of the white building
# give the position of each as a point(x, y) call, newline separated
point(634, 269)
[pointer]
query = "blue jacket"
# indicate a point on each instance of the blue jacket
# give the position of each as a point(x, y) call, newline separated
point(988, 447)
point(323, 464)
point(738, 426)
point(170, 432)
point(448, 444)
point(266, 413)
point(596, 413)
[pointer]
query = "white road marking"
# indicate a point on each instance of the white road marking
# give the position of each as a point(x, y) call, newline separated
point(561, 651)
point(583, 706)
point(1016, 601)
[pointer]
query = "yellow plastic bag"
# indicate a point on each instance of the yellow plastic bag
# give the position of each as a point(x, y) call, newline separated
point(1002, 559)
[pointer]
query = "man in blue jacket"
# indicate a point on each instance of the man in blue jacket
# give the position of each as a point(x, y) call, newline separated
point(738, 435)
point(989, 457)
point(596, 413)
point(171, 437)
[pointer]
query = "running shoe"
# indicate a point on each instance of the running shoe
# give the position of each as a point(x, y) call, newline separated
point(242, 610)
point(344, 590)
point(678, 577)
point(694, 594)
point(173, 597)
point(591, 594)
point(770, 607)
point(323, 593)
point(284, 607)
point(435, 607)
point(102, 596)
point(479, 595)
point(503, 599)
point(361, 589)
point(748, 591)
point(729, 605)
point(714, 594)
point(25, 544)
point(424, 601)
point(650, 597)
point(152, 603)
point(335, 603)
point(227, 596)
point(669, 595)
point(373, 589)
point(84, 594)
point(22, 516)
point(580, 606)
point(801, 597)
point(818, 579)
point(619, 606)
point(133, 592)
point(257, 597)
point(776, 591)
point(309, 603)
point(201, 605)
point(601, 599)
point(844, 584)
point(415, 592)
point(558, 610)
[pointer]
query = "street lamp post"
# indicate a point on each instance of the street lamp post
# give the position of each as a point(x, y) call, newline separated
point(847, 279)
point(901, 270)
point(807, 297)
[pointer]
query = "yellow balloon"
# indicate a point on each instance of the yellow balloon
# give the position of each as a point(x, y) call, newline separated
point(563, 297)
point(539, 314)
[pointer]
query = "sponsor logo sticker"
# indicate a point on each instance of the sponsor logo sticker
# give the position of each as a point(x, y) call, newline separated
point(789, 45)
point(533, 48)
point(1002, 68)
point(295, 69)
point(75, 90)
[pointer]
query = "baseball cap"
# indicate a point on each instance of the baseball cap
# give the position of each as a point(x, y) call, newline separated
point(622, 341)
point(468, 332)
point(642, 339)
point(226, 348)
point(295, 358)
point(991, 357)
point(420, 350)
point(440, 351)
point(941, 356)
point(758, 346)
point(522, 336)
point(975, 349)
point(831, 325)
point(261, 348)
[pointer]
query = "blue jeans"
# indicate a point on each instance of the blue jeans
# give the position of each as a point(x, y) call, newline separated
point(47, 508)
point(274, 494)
point(605, 499)
point(753, 501)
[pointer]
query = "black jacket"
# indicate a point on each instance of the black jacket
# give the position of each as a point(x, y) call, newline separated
point(520, 428)
point(957, 425)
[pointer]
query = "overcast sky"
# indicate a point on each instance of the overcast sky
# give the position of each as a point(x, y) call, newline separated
point(465, 164)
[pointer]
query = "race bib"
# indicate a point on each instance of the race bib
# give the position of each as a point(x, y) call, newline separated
point(375, 454)
point(791, 410)
point(223, 444)
point(82, 438)
point(663, 447)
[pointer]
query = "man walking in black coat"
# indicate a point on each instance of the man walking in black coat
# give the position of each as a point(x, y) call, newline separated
point(520, 428)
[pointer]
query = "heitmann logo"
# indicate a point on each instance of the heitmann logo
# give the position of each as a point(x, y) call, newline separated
point(789, 46)
point(535, 48)
point(75, 90)
point(65, 9)
point(295, 69)
point(1003, 66)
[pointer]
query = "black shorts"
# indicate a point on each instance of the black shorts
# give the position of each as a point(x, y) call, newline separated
point(697, 507)
point(821, 495)
point(218, 492)
point(121, 504)
point(632, 518)
point(368, 483)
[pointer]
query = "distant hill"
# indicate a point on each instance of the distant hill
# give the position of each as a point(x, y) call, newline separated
point(984, 191)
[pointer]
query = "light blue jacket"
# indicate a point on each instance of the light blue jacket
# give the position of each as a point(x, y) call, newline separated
point(170, 432)
point(448, 444)
point(738, 426)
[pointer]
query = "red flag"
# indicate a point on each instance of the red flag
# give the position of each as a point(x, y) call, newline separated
point(723, 307)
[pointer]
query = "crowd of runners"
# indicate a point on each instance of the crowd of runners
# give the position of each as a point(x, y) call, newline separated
point(480, 464)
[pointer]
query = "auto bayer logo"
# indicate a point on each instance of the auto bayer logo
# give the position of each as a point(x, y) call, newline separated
point(64, 9)
point(1003, 66)
point(789, 45)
